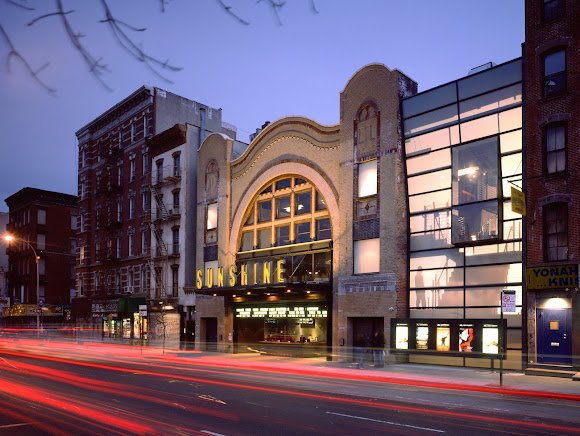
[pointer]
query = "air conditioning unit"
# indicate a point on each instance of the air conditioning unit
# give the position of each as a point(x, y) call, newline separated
point(129, 289)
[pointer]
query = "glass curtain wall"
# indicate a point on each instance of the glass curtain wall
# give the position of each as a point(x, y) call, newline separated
point(463, 153)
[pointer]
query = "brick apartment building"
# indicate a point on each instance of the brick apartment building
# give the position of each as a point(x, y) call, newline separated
point(552, 137)
point(116, 233)
point(47, 221)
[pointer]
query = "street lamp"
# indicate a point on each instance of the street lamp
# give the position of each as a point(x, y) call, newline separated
point(8, 238)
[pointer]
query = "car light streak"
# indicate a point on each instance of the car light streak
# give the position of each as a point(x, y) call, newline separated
point(331, 398)
point(387, 422)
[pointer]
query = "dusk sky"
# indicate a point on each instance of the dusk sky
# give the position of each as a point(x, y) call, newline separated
point(257, 72)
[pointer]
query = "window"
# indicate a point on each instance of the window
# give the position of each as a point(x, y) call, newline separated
point(555, 146)
point(265, 211)
point(41, 267)
point(556, 231)
point(302, 203)
point(145, 163)
point(159, 164)
point(553, 9)
point(145, 126)
point(145, 201)
point(131, 207)
point(118, 245)
point(247, 241)
point(144, 242)
point(175, 279)
point(41, 241)
point(176, 165)
point(212, 216)
point(554, 73)
point(132, 169)
point(120, 174)
point(131, 242)
point(265, 238)
point(41, 216)
point(367, 179)
point(175, 241)
point(282, 207)
point(283, 184)
point(119, 210)
point(282, 235)
point(367, 256)
point(175, 201)
point(73, 222)
point(320, 203)
point(323, 229)
point(302, 232)
point(133, 129)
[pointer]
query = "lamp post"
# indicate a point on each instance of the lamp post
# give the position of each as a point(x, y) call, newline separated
point(9, 238)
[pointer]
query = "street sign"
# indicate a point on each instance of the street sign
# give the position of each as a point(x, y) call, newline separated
point(508, 301)
point(143, 309)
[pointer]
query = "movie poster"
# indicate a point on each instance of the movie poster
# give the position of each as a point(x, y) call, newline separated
point(422, 337)
point(490, 339)
point(443, 335)
point(466, 334)
point(402, 337)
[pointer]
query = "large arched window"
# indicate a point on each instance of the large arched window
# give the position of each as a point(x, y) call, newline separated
point(288, 210)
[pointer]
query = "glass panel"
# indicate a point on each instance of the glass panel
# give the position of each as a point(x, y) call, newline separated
point(490, 79)
point(299, 181)
point(265, 211)
point(282, 235)
point(322, 266)
point(247, 241)
point(511, 141)
point(492, 102)
point(475, 171)
point(429, 100)
point(302, 268)
point(512, 229)
point(250, 219)
point(483, 275)
point(367, 178)
point(489, 296)
point(513, 319)
point(475, 222)
point(283, 207)
point(479, 128)
point(212, 216)
point(366, 206)
point(366, 256)
point(511, 165)
point(429, 161)
point(320, 203)
point(436, 278)
point(428, 240)
point(284, 183)
point(437, 258)
point(429, 182)
point(432, 141)
point(433, 200)
point(431, 120)
point(508, 214)
point(302, 203)
point(264, 238)
point(302, 232)
point(430, 298)
point(430, 221)
point(555, 138)
point(436, 313)
point(510, 120)
point(508, 183)
point(323, 229)
point(555, 62)
point(266, 190)
point(494, 253)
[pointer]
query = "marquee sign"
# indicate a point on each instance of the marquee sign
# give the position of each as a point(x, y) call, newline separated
point(271, 273)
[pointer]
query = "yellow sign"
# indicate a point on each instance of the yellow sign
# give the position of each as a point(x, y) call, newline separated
point(262, 273)
point(552, 277)
point(518, 201)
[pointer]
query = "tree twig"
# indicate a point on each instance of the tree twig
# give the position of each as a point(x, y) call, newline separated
point(13, 53)
point(228, 10)
point(19, 5)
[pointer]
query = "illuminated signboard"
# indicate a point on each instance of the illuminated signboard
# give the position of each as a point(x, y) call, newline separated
point(452, 337)
point(552, 277)
point(301, 312)
point(265, 272)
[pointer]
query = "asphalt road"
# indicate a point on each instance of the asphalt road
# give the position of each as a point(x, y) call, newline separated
point(56, 387)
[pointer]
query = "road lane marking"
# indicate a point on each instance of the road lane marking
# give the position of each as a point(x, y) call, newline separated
point(387, 422)
point(212, 433)
point(210, 398)
point(15, 425)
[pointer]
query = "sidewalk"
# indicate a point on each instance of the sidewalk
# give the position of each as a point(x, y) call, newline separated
point(449, 377)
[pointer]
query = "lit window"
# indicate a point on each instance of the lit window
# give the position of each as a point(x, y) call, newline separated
point(554, 73)
point(41, 216)
point(367, 256)
point(555, 140)
point(367, 179)
point(212, 216)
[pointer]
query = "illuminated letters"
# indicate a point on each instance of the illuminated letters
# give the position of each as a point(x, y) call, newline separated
point(199, 278)
point(255, 273)
point(244, 275)
point(266, 273)
point(209, 277)
point(220, 280)
point(280, 271)
point(233, 270)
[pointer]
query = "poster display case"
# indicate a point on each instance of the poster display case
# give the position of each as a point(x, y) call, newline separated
point(482, 338)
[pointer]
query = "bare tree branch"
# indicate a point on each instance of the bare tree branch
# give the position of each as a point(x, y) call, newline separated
point(275, 6)
point(13, 53)
point(228, 10)
point(19, 5)
point(132, 47)
point(313, 7)
point(52, 14)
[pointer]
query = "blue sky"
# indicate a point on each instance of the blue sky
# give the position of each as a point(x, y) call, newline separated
point(259, 72)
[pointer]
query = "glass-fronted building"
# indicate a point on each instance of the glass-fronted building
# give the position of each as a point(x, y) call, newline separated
point(463, 154)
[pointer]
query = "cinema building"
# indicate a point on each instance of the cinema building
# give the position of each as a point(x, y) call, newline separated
point(301, 239)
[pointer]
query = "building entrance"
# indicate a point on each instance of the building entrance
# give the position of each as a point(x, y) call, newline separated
point(554, 335)
point(210, 325)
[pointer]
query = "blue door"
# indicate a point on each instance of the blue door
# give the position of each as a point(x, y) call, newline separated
point(554, 335)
